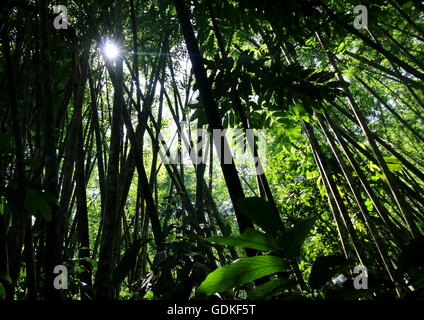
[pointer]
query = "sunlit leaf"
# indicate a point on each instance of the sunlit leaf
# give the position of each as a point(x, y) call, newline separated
point(240, 272)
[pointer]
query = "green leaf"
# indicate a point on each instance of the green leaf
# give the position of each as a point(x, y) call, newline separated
point(369, 205)
point(270, 289)
point(44, 208)
point(128, 261)
point(249, 239)
point(30, 203)
point(408, 4)
point(6, 277)
point(38, 202)
point(395, 167)
point(325, 268)
point(293, 239)
point(342, 47)
point(240, 272)
point(49, 198)
point(393, 163)
point(261, 213)
point(2, 205)
point(2, 292)
point(200, 115)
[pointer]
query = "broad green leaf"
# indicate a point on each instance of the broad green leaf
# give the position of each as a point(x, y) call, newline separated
point(128, 261)
point(261, 213)
point(270, 289)
point(30, 203)
point(249, 239)
point(44, 208)
point(49, 198)
point(292, 240)
point(38, 202)
point(5, 277)
point(240, 272)
point(2, 292)
point(325, 268)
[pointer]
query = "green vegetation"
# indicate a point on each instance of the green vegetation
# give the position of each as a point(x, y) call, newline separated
point(88, 112)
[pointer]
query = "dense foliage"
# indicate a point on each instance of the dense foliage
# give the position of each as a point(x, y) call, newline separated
point(84, 133)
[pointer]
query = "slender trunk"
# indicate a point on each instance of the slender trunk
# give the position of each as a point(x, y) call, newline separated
point(82, 223)
point(111, 219)
point(343, 220)
point(29, 262)
point(359, 201)
point(229, 170)
point(11, 241)
point(381, 210)
point(55, 227)
point(400, 201)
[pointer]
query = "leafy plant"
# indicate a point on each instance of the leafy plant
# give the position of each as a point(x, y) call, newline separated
point(285, 243)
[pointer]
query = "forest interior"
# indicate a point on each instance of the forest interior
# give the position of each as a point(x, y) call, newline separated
point(211, 150)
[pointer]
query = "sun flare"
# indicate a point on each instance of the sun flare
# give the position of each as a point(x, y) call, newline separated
point(111, 51)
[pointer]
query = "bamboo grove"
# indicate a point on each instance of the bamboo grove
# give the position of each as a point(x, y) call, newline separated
point(83, 181)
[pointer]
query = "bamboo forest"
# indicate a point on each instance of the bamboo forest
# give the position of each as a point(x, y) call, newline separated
point(211, 150)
